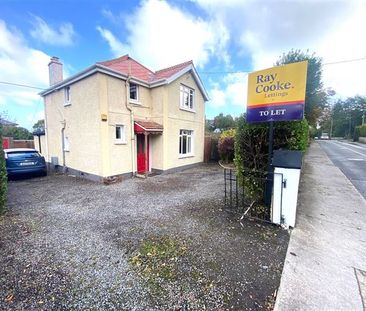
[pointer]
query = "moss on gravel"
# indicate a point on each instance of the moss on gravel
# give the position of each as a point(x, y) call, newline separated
point(156, 259)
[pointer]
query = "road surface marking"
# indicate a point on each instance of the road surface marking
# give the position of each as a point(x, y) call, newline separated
point(364, 155)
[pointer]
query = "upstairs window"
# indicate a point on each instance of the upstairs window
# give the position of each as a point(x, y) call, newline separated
point(120, 134)
point(67, 96)
point(134, 92)
point(185, 142)
point(186, 98)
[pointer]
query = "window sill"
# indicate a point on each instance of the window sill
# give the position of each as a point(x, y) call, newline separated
point(135, 102)
point(188, 110)
point(120, 142)
point(67, 104)
point(183, 156)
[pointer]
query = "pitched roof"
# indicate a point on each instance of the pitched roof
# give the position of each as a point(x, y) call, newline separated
point(7, 123)
point(171, 71)
point(128, 66)
point(125, 66)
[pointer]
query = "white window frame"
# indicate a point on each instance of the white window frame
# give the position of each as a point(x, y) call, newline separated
point(122, 139)
point(67, 97)
point(189, 134)
point(188, 93)
point(133, 100)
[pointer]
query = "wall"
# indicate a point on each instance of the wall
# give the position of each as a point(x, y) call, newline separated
point(82, 126)
point(122, 156)
point(93, 148)
point(178, 119)
point(42, 140)
point(159, 100)
point(9, 142)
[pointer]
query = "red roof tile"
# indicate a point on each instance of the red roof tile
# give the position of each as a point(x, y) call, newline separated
point(128, 65)
point(168, 72)
point(147, 126)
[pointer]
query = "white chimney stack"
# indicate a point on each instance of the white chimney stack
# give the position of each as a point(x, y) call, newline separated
point(55, 70)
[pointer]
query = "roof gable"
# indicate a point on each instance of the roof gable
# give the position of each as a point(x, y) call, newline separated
point(128, 66)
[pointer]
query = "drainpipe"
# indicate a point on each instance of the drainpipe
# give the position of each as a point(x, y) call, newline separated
point(127, 84)
point(63, 145)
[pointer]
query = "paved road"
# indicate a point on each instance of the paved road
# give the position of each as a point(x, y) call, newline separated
point(325, 266)
point(350, 158)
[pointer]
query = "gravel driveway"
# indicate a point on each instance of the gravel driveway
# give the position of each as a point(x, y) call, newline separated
point(164, 243)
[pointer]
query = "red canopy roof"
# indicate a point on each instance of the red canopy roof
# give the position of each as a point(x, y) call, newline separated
point(147, 127)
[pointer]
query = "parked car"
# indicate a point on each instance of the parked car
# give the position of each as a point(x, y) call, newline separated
point(324, 136)
point(24, 161)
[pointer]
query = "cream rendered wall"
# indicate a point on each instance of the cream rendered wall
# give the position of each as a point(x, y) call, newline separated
point(43, 148)
point(177, 119)
point(93, 148)
point(120, 154)
point(82, 126)
point(148, 107)
point(158, 98)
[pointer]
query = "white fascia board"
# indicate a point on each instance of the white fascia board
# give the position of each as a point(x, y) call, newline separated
point(195, 76)
point(87, 72)
point(108, 71)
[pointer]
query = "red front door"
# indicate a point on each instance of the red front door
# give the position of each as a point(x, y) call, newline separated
point(142, 154)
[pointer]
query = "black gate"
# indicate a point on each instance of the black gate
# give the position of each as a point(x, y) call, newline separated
point(247, 193)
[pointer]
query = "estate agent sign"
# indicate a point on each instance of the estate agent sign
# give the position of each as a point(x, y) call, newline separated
point(277, 94)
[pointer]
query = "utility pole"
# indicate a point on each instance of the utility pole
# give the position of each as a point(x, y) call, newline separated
point(331, 127)
point(349, 130)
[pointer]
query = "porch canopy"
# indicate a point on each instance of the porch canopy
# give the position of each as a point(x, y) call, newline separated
point(147, 127)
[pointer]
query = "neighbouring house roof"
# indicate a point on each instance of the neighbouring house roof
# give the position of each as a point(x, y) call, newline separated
point(125, 66)
point(142, 126)
point(7, 123)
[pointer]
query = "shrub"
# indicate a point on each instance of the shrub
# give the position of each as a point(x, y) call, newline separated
point(313, 132)
point(362, 130)
point(3, 179)
point(356, 133)
point(226, 145)
point(251, 150)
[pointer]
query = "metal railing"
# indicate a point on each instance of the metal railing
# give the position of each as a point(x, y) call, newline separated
point(249, 193)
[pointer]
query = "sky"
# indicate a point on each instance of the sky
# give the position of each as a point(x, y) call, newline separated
point(225, 40)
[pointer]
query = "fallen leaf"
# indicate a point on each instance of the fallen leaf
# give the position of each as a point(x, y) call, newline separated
point(9, 298)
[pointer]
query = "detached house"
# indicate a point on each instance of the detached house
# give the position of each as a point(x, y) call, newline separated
point(119, 118)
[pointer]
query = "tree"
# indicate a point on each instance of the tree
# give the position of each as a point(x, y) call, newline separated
point(224, 122)
point(16, 132)
point(39, 126)
point(209, 125)
point(316, 97)
point(347, 114)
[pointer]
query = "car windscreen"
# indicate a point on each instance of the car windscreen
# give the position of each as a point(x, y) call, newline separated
point(23, 155)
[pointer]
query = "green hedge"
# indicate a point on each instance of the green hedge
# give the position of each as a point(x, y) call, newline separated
point(362, 129)
point(3, 179)
point(251, 149)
